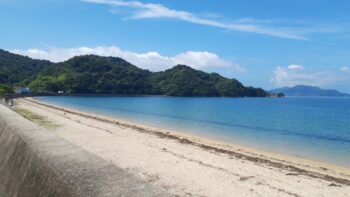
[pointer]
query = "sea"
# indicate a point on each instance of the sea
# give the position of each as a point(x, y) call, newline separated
point(308, 127)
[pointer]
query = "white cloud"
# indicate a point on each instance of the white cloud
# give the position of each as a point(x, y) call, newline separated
point(149, 60)
point(295, 67)
point(151, 10)
point(345, 69)
point(298, 75)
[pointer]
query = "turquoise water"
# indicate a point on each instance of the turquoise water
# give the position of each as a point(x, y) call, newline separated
point(314, 128)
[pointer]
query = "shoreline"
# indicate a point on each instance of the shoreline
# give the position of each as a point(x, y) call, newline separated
point(293, 166)
point(190, 138)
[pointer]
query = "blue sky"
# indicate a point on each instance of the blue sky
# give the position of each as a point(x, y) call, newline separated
point(265, 43)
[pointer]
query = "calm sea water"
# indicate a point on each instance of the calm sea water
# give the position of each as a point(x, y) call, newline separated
point(314, 128)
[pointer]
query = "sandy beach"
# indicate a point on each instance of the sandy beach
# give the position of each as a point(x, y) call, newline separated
point(187, 165)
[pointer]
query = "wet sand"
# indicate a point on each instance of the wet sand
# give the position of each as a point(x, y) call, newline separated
point(187, 165)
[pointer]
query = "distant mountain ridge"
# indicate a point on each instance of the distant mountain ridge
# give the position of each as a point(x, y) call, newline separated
point(303, 90)
point(91, 74)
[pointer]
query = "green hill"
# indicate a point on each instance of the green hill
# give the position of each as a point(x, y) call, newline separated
point(182, 80)
point(91, 74)
point(94, 75)
point(18, 69)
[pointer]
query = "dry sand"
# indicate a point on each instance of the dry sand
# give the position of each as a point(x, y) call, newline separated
point(186, 165)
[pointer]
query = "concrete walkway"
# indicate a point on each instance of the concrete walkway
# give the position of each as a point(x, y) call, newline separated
point(37, 163)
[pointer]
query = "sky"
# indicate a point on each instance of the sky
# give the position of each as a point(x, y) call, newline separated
point(263, 43)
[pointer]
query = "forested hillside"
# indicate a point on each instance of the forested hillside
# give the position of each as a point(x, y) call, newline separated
point(16, 69)
point(91, 74)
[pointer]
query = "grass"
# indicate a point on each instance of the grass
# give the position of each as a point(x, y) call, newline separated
point(40, 120)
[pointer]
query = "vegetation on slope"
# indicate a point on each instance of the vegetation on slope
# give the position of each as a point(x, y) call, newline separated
point(185, 81)
point(16, 69)
point(5, 88)
point(93, 75)
point(90, 74)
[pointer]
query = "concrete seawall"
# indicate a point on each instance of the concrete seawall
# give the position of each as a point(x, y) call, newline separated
point(36, 163)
